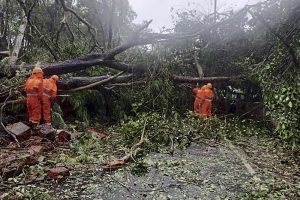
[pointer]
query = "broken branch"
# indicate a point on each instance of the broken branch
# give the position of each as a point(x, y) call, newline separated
point(189, 79)
point(94, 84)
point(114, 164)
point(89, 26)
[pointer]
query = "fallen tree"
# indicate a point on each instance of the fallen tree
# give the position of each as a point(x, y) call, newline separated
point(135, 72)
point(75, 82)
point(107, 59)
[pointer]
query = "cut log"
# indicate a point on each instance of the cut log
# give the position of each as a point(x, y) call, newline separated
point(20, 130)
point(45, 131)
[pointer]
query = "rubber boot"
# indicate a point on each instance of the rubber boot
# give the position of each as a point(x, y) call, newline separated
point(33, 125)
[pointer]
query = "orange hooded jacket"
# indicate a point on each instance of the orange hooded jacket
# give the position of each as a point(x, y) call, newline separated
point(49, 93)
point(34, 89)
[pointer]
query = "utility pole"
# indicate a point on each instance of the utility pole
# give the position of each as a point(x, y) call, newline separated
point(215, 11)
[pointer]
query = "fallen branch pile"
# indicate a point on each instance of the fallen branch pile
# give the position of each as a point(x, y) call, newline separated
point(115, 164)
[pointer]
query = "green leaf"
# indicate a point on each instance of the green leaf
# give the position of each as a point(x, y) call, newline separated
point(283, 126)
point(290, 104)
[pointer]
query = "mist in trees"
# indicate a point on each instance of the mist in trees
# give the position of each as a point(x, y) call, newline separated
point(98, 39)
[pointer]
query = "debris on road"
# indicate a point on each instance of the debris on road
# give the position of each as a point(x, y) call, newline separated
point(12, 161)
point(98, 133)
point(58, 173)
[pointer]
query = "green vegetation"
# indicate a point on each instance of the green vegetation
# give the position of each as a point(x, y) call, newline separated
point(28, 192)
point(281, 88)
point(251, 56)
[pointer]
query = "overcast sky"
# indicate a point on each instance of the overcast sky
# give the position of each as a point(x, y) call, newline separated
point(160, 10)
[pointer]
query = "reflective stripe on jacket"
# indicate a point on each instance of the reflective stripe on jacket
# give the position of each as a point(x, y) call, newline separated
point(49, 88)
point(33, 86)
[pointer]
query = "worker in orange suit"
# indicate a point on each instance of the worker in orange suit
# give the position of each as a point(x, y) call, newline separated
point(33, 88)
point(207, 102)
point(199, 98)
point(49, 94)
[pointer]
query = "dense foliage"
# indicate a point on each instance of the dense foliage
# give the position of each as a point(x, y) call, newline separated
point(281, 88)
point(254, 43)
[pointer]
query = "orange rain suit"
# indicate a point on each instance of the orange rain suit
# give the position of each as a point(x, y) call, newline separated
point(199, 98)
point(49, 93)
point(207, 103)
point(33, 88)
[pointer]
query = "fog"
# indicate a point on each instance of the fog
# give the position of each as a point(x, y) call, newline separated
point(160, 10)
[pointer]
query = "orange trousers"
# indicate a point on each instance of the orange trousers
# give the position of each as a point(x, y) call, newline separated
point(46, 109)
point(206, 108)
point(197, 106)
point(34, 109)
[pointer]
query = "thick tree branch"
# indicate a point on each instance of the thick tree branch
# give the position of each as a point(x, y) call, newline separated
point(89, 26)
point(79, 83)
point(132, 41)
point(105, 59)
point(94, 84)
point(74, 65)
point(189, 79)
point(75, 82)
point(152, 38)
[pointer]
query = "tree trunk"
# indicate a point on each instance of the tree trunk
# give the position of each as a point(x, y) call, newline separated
point(189, 79)
point(199, 67)
point(19, 38)
point(4, 26)
point(110, 25)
